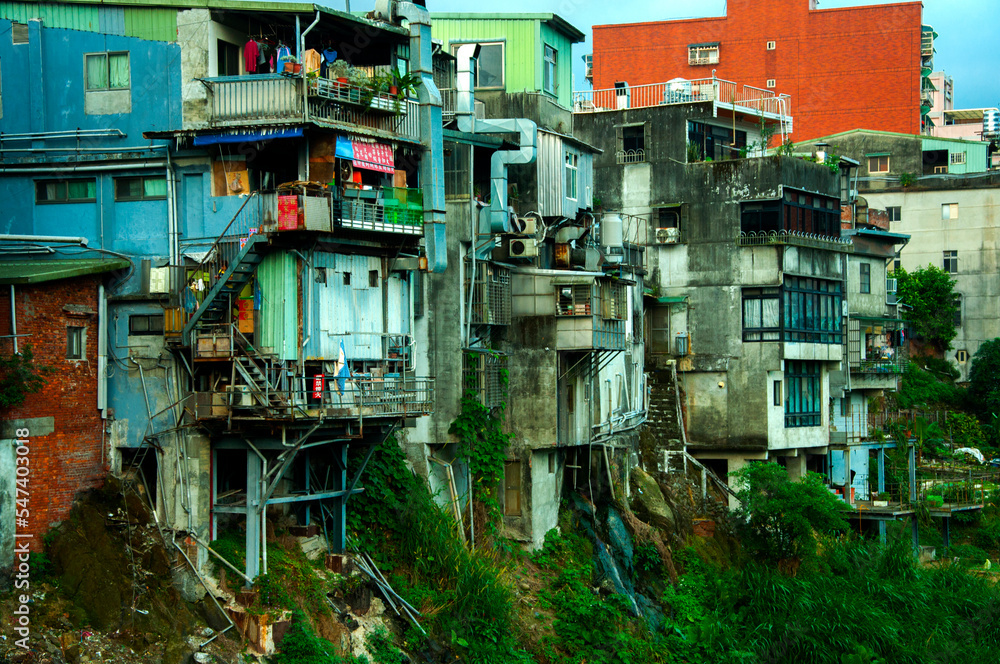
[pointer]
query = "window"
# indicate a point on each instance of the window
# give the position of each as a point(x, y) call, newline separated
point(950, 262)
point(845, 407)
point(632, 144)
point(797, 211)
point(771, 45)
point(347, 278)
point(66, 191)
point(957, 157)
point(140, 188)
point(107, 71)
point(812, 310)
point(803, 402)
point(949, 211)
point(659, 329)
point(572, 162)
point(489, 68)
point(957, 320)
point(776, 393)
point(74, 343)
point(878, 163)
point(894, 212)
point(940, 170)
point(715, 141)
point(549, 70)
point(573, 300)
point(703, 54)
point(228, 63)
point(613, 301)
point(771, 83)
point(962, 356)
point(866, 278)
point(373, 278)
point(761, 314)
point(18, 33)
point(552, 463)
point(512, 488)
point(145, 324)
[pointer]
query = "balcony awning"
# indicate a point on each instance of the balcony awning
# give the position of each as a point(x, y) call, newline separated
point(247, 136)
point(373, 156)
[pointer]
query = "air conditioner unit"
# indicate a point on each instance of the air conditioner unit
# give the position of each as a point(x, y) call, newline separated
point(525, 226)
point(890, 291)
point(523, 248)
point(239, 396)
point(667, 235)
point(891, 285)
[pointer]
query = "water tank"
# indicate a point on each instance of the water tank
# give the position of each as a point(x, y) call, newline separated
point(991, 123)
point(611, 237)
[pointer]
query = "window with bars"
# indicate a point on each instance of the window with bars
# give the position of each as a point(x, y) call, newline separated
point(803, 401)
point(573, 300)
point(703, 54)
point(486, 375)
point(491, 295)
point(797, 211)
point(614, 301)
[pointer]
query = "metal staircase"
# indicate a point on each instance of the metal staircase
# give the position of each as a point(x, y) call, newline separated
point(229, 264)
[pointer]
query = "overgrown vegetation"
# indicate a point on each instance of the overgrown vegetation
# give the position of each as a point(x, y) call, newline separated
point(929, 296)
point(19, 377)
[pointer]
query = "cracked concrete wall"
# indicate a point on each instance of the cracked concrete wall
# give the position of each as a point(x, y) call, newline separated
point(193, 35)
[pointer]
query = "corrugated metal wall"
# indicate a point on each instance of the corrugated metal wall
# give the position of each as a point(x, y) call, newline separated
point(551, 169)
point(354, 312)
point(975, 154)
point(154, 23)
point(279, 314)
point(564, 63)
point(521, 68)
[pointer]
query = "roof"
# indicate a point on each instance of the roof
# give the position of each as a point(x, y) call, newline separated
point(557, 22)
point(36, 272)
point(881, 235)
point(874, 132)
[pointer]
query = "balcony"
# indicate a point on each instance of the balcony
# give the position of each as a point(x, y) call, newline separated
point(359, 398)
point(591, 316)
point(795, 238)
point(722, 94)
point(237, 101)
point(449, 104)
point(876, 351)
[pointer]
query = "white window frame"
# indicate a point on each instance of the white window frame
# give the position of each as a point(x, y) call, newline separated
point(956, 157)
point(949, 211)
point(572, 167)
point(878, 160)
point(703, 54)
point(503, 62)
point(550, 69)
point(772, 45)
point(771, 83)
point(107, 65)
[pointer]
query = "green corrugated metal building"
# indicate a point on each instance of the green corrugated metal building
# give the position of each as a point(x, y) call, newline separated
point(975, 154)
point(524, 38)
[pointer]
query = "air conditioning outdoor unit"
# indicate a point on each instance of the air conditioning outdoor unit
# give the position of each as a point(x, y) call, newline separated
point(890, 291)
point(525, 226)
point(667, 235)
point(239, 396)
point(523, 249)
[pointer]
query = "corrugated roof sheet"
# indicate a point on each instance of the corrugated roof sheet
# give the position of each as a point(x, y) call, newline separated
point(36, 272)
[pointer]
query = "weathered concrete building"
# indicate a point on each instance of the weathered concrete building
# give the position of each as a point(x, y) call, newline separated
point(948, 207)
point(746, 273)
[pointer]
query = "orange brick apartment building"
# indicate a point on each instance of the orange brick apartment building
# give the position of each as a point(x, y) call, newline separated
point(856, 67)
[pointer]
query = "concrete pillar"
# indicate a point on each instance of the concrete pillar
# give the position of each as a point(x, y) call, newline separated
point(796, 466)
point(338, 534)
point(254, 509)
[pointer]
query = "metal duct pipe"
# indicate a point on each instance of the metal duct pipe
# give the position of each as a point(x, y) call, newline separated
point(527, 134)
point(431, 134)
point(53, 239)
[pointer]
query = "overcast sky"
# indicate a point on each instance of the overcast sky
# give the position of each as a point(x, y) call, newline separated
point(966, 48)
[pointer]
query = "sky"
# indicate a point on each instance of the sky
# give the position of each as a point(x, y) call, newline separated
point(966, 47)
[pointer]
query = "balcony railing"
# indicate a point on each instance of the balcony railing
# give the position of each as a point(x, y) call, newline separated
point(359, 398)
point(449, 104)
point(680, 91)
point(797, 238)
point(278, 99)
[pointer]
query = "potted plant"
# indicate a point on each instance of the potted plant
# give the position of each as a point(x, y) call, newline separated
point(340, 70)
point(881, 499)
point(403, 84)
point(291, 65)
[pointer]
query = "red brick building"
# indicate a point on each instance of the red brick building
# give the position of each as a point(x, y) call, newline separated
point(57, 312)
point(849, 68)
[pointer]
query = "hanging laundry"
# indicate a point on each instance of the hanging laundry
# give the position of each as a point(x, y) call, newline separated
point(329, 55)
point(250, 54)
point(311, 60)
point(284, 53)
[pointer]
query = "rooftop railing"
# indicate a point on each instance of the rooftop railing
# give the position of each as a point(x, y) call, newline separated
point(797, 238)
point(681, 91)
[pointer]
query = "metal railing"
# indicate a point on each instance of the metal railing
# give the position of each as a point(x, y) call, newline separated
point(357, 398)
point(681, 91)
point(449, 104)
point(797, 238)
point(630, 156)
point(275, 98)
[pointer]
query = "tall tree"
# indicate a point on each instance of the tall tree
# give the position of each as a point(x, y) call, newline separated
point(929, 296)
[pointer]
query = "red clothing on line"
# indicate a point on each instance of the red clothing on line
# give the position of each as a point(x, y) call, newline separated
point(250, 53)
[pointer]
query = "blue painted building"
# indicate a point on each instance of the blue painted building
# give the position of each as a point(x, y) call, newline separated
point(271, 202)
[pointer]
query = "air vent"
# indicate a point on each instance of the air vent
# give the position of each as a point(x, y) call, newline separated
point(667, 235)
point(523, 248)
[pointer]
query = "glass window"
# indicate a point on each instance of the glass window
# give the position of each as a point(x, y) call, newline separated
point(812, 310)
point(659, 329)
point(950, 262)
point(228, 58)
point(957, 320)
point(74, 343)
point(803, 402)
point(632, 144)
point(878, 164)
point(703, 54)
point(894, 212)
point(572, 162)
point(145, 324)
point(489, 66)
point(140, 188)
point(549, 70)
point(949, 211)
point(761, 314)
point(573, 300)
point(107, 71)
point(66, 191)
point(866, 278)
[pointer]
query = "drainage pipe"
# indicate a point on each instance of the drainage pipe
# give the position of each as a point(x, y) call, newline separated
point(13, 318)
